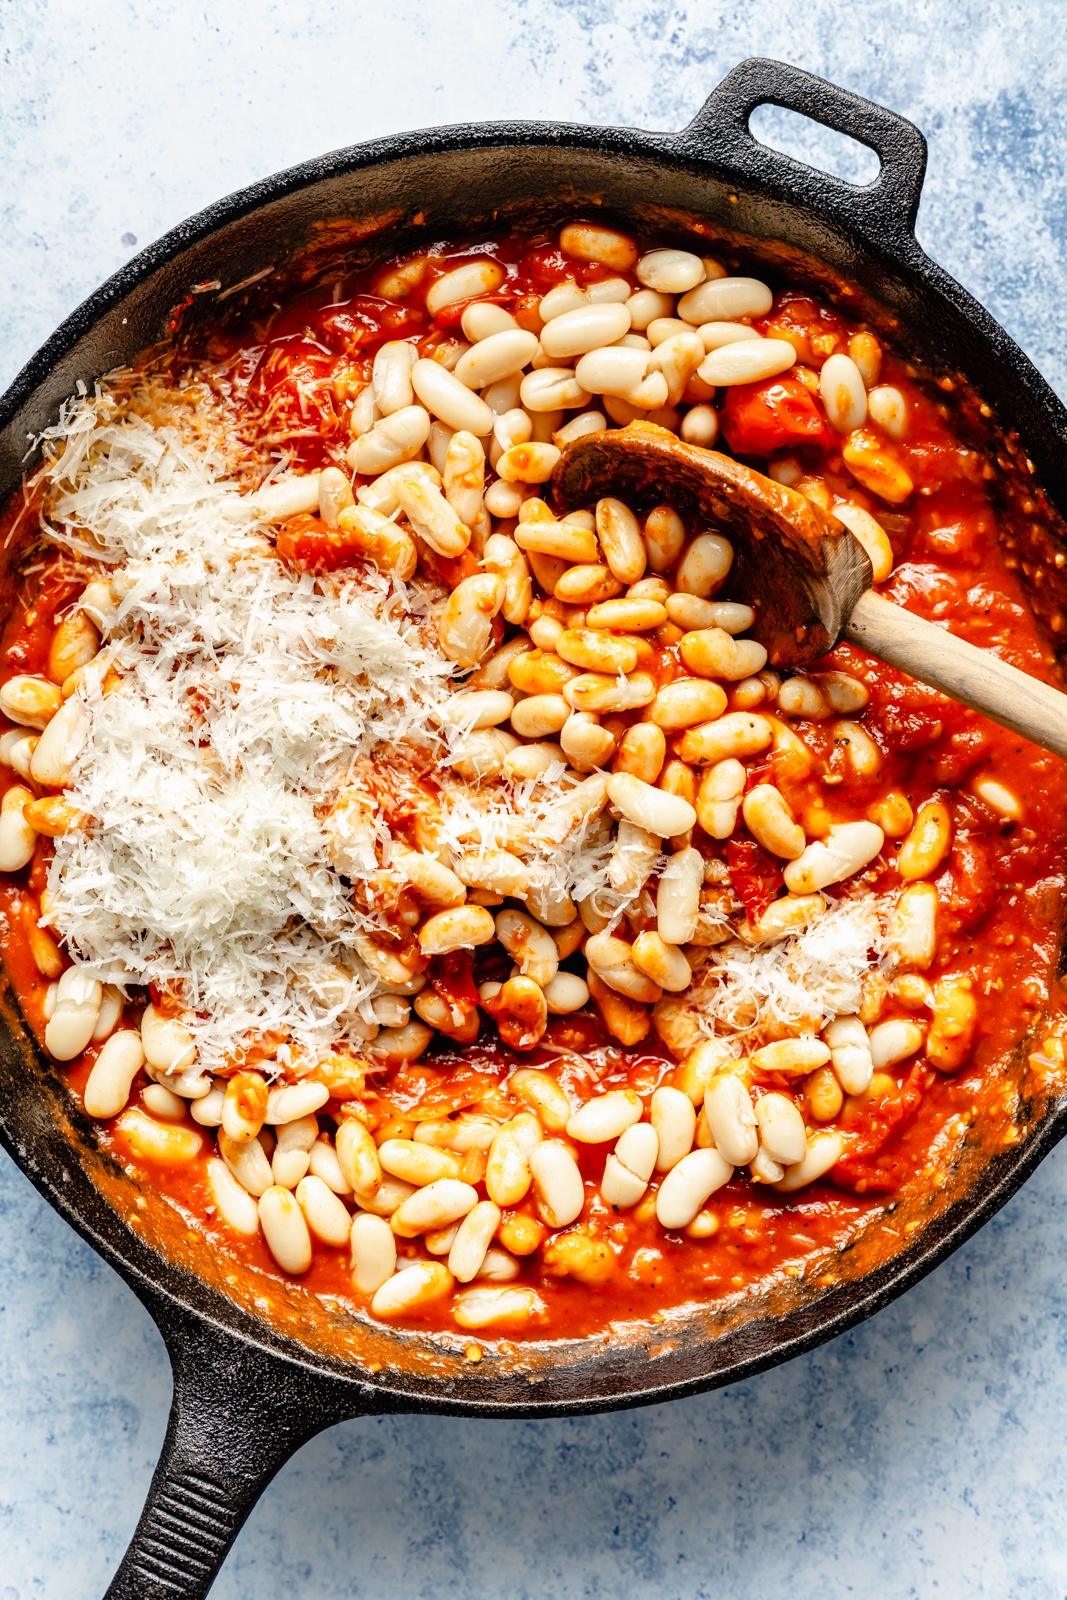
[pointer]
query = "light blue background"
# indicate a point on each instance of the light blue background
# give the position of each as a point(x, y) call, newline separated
point(922, 1455)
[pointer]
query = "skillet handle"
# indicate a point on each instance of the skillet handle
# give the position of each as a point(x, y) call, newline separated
point(237, 1416)
point(720, 131)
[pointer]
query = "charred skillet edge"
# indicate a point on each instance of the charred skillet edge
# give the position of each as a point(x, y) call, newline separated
point(797, 566)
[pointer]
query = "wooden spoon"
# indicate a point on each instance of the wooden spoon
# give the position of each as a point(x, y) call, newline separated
point(807, 578)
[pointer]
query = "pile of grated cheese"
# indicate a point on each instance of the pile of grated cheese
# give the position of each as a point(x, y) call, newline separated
point(245, 696)
point(800, 983)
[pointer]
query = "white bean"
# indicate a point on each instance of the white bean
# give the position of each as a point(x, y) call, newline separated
point(552, 389)
point(678, 358)
point(21, 753)
point(530, 945)
point(646, 306)
point(764, 1169)
point(731, 1119)
point(705, 565)
point(499, 1266)
point(464, 628)
point(383, 495)
point(287, 497)
point(614, 370)
point(434, 1206)
point(326, 1216)
point(662, 961)
point(540, 715)
point(845, 850)
point(620, 1187)
point(483, 319)
point(391, 441)
point(18, 838)
point(363, 415)
point(670, 271)
point(913, 927)
point(638, 1148)
point(588, 327)
point(472, 1240)
point(208, 1109)
point(168, 1043)
point(373, 1245)
point(528, 463)
point(605, 1116)
point(292, 1152)
point(464, 477)
point(678, 896)
point(688, 1185)
point(495, 357)
point(824, 1149)
point(850, 1057)
point(894, 1041)
point(459, 928)
point(748, 362)
point(578, 427)
point(558, 1183)
point(466, 282)
point(161, 1103)
point(60, 744)
point(294, 1100)
point(532, 760)
point(723, 299)
point(483, 1308)
point(674, 1118)
point(412, 1286)
point(285, 1230)
point(107, 1088)
point(717, 334)
point(479, 708)
point(781, 1129)
point(111, 1008)
point(248, 1163)
point(843, 394)
point(889, 409)
point(234, 1204)
point(700, 425)
point(665, 815)
point(868, 531)
point(566, 993)
point(77, 1007)
point(387, 1198)
point(391, 376)
point(357, 1158)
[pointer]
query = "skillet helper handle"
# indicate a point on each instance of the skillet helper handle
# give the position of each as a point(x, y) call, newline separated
point(975, 677)
point(237, 1416)
point(720, 131)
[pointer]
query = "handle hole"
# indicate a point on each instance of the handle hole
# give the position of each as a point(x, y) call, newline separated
point(816, 145)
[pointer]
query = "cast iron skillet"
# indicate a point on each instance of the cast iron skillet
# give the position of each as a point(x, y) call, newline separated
point(251, 1386)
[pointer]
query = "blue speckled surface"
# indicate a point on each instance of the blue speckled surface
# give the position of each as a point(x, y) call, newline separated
point(922, 1455)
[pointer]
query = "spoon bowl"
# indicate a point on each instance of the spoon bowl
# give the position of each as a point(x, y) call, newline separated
point(807, 578)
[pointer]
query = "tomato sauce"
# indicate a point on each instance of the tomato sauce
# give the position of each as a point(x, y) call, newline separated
point(287, 374)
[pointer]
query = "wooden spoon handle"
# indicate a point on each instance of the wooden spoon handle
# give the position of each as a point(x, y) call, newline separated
point(974, 677)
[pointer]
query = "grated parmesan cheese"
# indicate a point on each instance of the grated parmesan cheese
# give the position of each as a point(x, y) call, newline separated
point(245, 696)
point(799, 984)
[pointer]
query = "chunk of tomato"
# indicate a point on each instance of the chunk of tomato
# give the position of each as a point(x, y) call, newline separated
point(756, 877)
point(759, 419)
point(307, 543)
